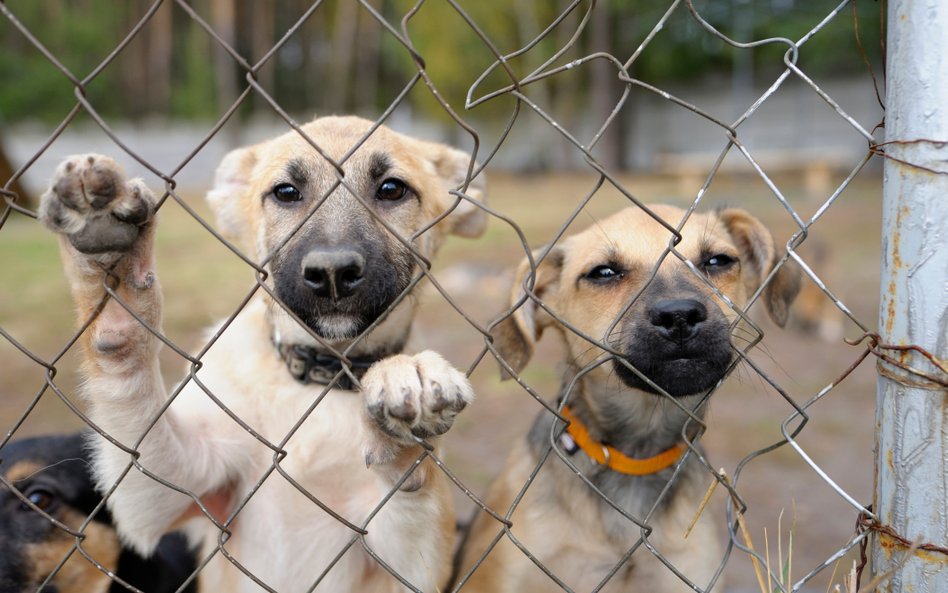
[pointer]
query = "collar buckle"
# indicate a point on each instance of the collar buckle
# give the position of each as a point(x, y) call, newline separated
point(568, 444)
point(606, 456)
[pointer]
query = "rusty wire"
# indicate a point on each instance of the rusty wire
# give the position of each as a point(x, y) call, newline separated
point(516, 87)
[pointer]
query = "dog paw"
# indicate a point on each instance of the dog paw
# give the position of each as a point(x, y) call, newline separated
point(95, 206)
point(415, 396)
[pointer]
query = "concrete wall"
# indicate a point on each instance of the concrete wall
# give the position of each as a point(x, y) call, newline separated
point(791, 128)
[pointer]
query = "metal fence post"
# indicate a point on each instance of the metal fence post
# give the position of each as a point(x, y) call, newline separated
point(912, 410)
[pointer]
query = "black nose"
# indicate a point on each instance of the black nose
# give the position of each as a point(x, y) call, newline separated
point(677, 319)
point(333, 272)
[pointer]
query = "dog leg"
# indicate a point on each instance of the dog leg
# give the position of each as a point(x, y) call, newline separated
point(106, 228)
point(105, 231)
point(408, 397)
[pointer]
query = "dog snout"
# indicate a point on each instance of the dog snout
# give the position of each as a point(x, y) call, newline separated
point(333, 273)
point(677, 319)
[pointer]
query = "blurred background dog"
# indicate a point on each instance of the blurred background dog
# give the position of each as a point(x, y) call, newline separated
point(53, 474)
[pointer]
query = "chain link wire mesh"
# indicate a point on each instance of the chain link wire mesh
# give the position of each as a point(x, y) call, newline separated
point(521, 90)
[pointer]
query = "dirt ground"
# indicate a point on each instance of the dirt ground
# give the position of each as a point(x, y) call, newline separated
point(204, 281)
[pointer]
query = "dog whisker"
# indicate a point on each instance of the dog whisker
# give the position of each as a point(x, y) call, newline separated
point(51, 466)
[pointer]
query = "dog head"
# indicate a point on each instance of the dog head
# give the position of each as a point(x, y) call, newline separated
point(340, 254)
point(53, 474)
point(670, 326)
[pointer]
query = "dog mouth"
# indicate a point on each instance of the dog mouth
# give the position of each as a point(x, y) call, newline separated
point(337, 320)
point(335, 326)
point(676, 376)
point(677, 344)
point(677, 368)
point(340, 292)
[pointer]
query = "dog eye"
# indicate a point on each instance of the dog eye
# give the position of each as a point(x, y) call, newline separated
point(39, 497)
point(392, 190)
point(718, 262)
point(286, 193)
point(603, 273)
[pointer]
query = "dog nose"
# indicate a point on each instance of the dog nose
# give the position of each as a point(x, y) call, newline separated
point(333, 273)
point(677, 319)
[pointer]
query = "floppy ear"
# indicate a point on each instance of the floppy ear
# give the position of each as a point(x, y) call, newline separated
point(515, 336)
point(760, 254)
point(467, 220)
point(231, 183)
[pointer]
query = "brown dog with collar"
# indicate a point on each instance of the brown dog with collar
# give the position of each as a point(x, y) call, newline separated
point(670, 333)
point(314, 486)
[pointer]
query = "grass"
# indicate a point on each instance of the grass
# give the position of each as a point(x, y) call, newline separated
point(780, 565)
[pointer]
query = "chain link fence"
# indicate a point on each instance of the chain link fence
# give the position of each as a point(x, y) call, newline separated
point(459, 294)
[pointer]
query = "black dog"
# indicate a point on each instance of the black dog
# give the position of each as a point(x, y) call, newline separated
point(53, 473)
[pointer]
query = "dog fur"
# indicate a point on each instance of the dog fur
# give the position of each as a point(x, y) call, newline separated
point(280, 202)
point(677, 333)
point(53, 473)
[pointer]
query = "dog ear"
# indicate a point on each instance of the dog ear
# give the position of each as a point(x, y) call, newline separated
point(761, 255)
point(515, 337)
point(467, 220)
point(231, 183)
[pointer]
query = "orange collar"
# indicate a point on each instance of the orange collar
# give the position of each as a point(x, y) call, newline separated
point(612, 457)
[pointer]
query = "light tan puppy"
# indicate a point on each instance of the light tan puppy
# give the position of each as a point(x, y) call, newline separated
point(338, 260)
point(676, 334)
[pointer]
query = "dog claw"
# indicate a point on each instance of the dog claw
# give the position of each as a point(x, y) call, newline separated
point(424, 433)
point(137, 214)
point(406, 411)
point(459, 403)
point(441, 402)
point(376, 409)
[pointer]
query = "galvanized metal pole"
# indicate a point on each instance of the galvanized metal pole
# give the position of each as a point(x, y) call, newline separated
point(912, 411)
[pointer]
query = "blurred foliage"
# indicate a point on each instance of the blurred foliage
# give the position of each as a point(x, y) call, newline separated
point(335, 63)
point(77, 34)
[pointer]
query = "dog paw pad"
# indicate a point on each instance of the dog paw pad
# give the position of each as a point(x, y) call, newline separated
point(91, 202)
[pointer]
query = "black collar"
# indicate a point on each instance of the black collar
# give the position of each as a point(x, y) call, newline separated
point(308, 365)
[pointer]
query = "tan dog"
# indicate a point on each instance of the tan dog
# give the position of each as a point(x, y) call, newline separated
point(624, 437)
point(338, 258)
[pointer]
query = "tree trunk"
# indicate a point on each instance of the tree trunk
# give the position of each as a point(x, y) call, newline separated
point(366, 85)
point(131, 65)
point(223, 15)
point(525, 14)
point(565, 88)
point(343, 46)
point(261, 41)
point(159, 35)
point(6, 172)
point(604, 90)
point(311, 87)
